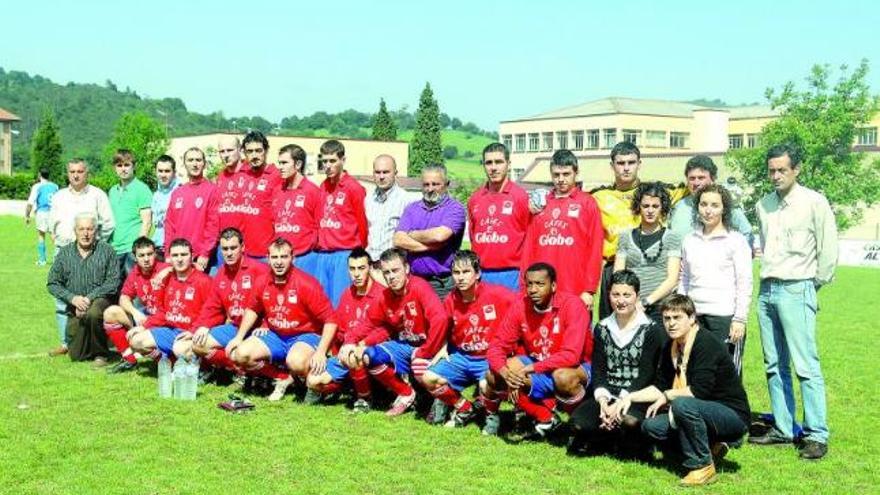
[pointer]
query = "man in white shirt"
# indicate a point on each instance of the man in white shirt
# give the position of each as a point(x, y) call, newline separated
point(384, 206)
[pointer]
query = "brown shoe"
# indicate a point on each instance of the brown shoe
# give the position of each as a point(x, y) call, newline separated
point(719, 450)
point(99, 362)
point(58, 351)
point(701, 476)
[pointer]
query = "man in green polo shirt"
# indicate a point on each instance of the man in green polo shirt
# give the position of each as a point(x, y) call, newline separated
point(130, 202)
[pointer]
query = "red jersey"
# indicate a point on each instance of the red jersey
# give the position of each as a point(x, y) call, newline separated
point(181, 302)
point(260, 187)
point(193, 215)
point(232, 289)
point(344, 220)
point(137, 286)
point(568, 235)
point(292, 307)
point(296, 213)
point(229, 186)
point(474, 323)
point(498, 222)
point(417, 318)
point(353, 309)
point(554, 339)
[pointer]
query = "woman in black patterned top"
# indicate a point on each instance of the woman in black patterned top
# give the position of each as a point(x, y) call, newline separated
point(625, 355)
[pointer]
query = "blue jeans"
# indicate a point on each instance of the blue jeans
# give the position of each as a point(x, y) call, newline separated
point(61, 320)
point(787, 317)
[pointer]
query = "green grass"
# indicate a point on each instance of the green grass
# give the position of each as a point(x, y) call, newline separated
point(67, 429)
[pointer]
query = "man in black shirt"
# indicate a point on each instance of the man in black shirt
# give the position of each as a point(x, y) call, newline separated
point(697, 397)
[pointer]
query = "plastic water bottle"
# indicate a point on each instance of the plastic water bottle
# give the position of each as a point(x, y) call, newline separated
point(165, 387)
point(179, 378)
point(191, 379)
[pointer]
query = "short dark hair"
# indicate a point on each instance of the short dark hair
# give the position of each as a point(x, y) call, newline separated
point(564, 158)
point(625, 148)
point(469, 258)
point(702, 162)
point(255, 137)
point(678, 302)
point(726, 203)
point(180, 242)
point(44, 173)
point(123, 155)
point(230, 232)
point(297, 154)
point(655, 190)
point(332, 147)
point(543, 267)
point(166, 159)
point(793, 151)
point(358, 253)
point(626, 277)
point(495, 148)
point(392, 254)
point(142, 242)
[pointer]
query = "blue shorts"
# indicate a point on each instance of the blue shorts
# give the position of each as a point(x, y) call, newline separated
point(164, 337)
point(331, 269)
point(507, 278)
point(542, 383)
point(338, 372)
point(279, 346)
point(392, 353)
point(308, 262)
point(461, 370)
point(223, 333)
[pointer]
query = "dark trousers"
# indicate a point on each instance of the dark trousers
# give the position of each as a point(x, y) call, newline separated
point(605, 288)
point(85, 334)
point(585, 424)
point(698, 424)
point(442, 285)
point(719, 326)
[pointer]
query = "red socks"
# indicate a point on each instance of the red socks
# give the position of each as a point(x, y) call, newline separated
point(568, 404)
point(491, 405)
point(447, 395)
point(361, 382)
point(116, 333)
point(218, 359)
point(331, 388)
point(540, 411)
point(269, 370)
point(386, 376)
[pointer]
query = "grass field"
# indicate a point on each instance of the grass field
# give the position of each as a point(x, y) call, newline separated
point(67, 429)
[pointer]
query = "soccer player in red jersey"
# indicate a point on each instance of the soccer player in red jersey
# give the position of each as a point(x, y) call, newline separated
point(297, 208)
point(498, 218)
point(169, 330)
point(403, 331)
point(476, 309)
point(262, 183)
point(343, 221)
point(352, 312)
point(568, 232)
point(233, 285)
point(552, 328)
point(193, 209)
point(229, 149)
point(118, 319)
point(298, 324)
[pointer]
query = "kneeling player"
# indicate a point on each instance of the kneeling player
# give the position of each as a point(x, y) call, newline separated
point(552, 328)
point(294, 309)
point(352, 311)
point(169, 330)
point(476, 309)
point(118, 319)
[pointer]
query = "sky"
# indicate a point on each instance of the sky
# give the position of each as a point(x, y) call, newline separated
point(486, 61)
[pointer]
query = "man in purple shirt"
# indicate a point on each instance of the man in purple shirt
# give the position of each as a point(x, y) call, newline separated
point(431, 230)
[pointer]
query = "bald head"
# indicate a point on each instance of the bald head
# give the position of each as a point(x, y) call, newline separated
point(384, 172)
point(229, 149)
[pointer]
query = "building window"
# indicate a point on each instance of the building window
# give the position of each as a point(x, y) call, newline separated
point(867, 137)
point(547, 141)
point(517, 173)
point(610, 138)
point(593, 139)
point(507, 139)
point(631, 136)
point(679, 139)
point(655, 139)
point(753, 140)
point(520, 143)
point(562, 140)
point(578, 138)
point(533, 141)
point(734, 141)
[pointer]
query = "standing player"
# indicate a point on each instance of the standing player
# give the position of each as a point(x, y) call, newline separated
point(229, 185)
point(297, 208)
point(353, 308)
point(568, 232)
point(552, 328)
point(192, 212)
point(169, 330)
point(233, 284)
point(118, 319)
point(40, 201)
point(498, 217)
point(294, 311)
point(343, 222)
point(476, 309)
point(130, 201)
point(166, 183)
point(403, 331)
point(261, 183)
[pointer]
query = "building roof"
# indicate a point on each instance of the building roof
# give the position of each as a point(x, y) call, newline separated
point(7, 116)
point(641, 106)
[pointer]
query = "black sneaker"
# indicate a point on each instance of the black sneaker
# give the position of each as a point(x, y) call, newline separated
point(539, 432)
point(122, 367)
point(772, 437)
point(812, 450)
point(460, 419)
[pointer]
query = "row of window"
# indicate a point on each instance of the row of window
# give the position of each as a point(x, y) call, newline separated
point(867, 136)
point(593, 139)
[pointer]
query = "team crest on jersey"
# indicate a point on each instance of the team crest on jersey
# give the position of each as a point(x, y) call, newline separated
point(287, 205)
point(291, 296)
point(556, 212)
point(178, 203)
point(245, 282)
point(411, 307)
point(574, 210)
point(474, 320)
point(340, 198)
point(507, 208)
point(190, 293)
point(544, 332)
point(262, 185)
point(489, 312)
point(492, 210)
point(199, 202)
point(280, 299)
point(300, 201)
